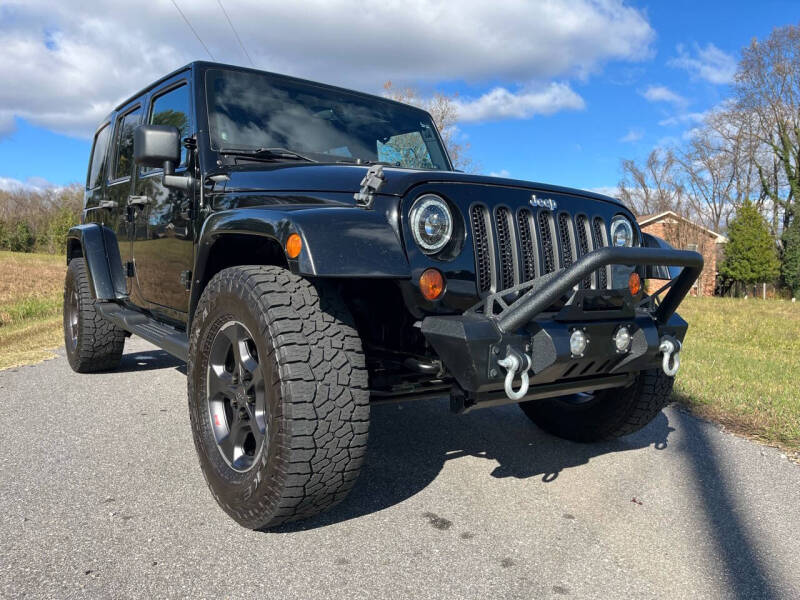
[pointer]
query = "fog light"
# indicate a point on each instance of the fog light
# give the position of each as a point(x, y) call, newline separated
point(578, 342)
point(622, 339)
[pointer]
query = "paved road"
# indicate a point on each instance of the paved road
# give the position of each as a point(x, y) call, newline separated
point(101, 495)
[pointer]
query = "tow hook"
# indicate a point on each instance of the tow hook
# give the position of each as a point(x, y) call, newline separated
point(512, 363)
point(671, 348)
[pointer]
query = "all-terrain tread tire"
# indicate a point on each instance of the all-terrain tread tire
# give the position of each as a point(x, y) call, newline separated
point(319, 395)
point(611, 414)
point(100, 343)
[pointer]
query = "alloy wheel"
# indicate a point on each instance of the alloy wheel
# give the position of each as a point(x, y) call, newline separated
point(237, 406)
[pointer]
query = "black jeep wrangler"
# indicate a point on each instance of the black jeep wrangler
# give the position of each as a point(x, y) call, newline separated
point(308, 250)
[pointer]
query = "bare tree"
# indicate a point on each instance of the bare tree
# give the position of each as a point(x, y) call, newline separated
point(654, 186)
point(768, 87)
point(445, 115)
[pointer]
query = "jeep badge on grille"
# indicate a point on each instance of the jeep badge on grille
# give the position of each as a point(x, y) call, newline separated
point(543, 202)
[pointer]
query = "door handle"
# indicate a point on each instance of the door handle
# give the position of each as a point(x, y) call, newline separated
point(138, 200)
point(108, 204)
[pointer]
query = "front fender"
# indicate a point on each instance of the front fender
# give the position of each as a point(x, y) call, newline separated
point(338, 241)
point(99, 248)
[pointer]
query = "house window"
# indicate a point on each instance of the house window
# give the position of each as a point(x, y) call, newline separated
point(692, 247)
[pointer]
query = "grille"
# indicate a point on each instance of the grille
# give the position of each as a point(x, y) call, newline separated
point(503, 226)
point(546, 235)
point(526, 244)
point(581, 226)
point(483, 256)
point(600, 240)
point(565, 240)
point(512, 247)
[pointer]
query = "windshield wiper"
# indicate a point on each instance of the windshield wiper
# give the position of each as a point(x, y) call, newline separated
point(266, 153)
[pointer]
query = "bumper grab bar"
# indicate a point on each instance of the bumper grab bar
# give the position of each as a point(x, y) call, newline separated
point(535, 301)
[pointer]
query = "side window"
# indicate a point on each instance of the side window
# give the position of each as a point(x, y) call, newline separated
point(172, 108)
point(125, 128)
point(99, 158)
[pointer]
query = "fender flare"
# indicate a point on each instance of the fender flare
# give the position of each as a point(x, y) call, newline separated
point(338, 241)
point(99, 247)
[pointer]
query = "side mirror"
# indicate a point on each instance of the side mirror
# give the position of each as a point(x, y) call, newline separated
point(159, 147)
point(156, 146)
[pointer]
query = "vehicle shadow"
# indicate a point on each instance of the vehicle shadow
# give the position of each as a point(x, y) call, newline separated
point(409, 444)
point(149, 360)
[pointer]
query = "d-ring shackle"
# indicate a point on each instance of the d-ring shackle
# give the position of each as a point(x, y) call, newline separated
point(672, 355)
point(513, 363)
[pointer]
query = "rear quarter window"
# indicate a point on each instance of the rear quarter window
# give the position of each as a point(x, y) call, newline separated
point(99, 158)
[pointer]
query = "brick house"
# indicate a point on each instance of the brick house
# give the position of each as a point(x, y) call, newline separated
point(684, 234)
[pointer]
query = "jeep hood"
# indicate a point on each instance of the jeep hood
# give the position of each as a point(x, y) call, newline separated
point(308, 177)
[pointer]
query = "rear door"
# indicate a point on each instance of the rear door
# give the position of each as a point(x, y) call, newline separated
point(120, 178)
point(163, 230)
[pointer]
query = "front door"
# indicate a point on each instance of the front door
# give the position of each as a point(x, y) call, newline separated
point(163, 232)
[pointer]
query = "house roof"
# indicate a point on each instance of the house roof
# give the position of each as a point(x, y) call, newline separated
point(645, 220)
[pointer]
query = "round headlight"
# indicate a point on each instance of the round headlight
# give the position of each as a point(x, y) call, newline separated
point(621, 231)
point(431, 223)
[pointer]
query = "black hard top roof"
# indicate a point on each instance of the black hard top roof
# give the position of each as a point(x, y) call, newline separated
point(201, 65)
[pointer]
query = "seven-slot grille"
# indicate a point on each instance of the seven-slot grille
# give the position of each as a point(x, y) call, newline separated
point(515, 247)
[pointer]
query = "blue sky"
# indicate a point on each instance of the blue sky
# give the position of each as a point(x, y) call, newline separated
point(581, 86)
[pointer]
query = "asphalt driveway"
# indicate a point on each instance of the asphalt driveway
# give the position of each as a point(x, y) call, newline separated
point(101, 496)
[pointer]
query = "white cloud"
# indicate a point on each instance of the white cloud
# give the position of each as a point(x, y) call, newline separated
point(683, 119)
point(32, 184)
point(606, 190)
point(500, 103)
point(500, 173)
point(633, 135)
point(7, 124)
point(661, 93)
point(709, 63)
point(71, 61)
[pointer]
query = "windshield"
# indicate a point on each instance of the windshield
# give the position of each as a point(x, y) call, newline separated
point(251, 111)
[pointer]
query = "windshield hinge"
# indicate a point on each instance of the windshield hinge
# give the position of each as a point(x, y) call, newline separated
point(370, 185)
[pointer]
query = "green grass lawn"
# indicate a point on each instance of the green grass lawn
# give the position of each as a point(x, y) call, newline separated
point(740, 366)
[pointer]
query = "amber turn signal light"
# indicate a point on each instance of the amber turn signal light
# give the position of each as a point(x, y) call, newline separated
point(294, 245)
point(431, 284)
point(634, 284)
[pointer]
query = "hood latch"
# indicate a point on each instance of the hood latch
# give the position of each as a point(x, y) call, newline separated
point(370, 185)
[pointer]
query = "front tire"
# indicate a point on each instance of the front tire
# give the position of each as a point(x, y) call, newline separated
point(278, 395)
point(606, 414)
point(92, 342)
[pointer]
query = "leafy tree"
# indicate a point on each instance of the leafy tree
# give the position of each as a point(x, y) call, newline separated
point(790, 267)
point(58, 227)
point(750, 255)
point(21, 239)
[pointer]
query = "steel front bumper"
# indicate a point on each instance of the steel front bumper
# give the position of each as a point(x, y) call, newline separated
point(533, 323)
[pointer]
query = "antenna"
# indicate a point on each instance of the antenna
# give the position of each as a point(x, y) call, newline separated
point(175, 4)
point(233, 29)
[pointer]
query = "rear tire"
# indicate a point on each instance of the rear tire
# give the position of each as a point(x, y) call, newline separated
point(92, 342)
point(606, 414)
point(278, 395)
